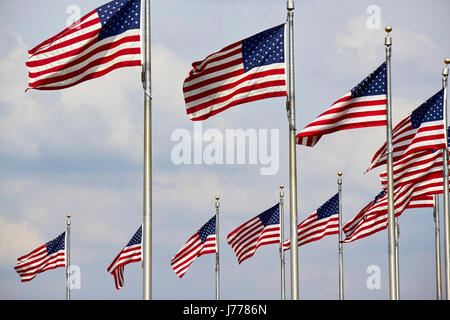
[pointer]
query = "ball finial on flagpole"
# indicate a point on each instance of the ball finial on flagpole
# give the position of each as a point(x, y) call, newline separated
point(217, 198)
point(447, 61)
point(387, 40)
point(339, 180)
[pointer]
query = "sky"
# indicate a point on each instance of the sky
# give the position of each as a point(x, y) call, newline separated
point(80, 151)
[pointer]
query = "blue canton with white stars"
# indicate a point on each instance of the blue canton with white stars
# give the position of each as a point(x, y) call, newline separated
point(430, 110)
point(119, 16)
point(378, 196)
point(264, 48)
point(208, 229)
point(56, 244)
point(374, 84)
point(329, 208)
point(270, 216)
point(136, 238)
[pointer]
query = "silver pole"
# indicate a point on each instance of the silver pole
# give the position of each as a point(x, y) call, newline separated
point(445, 181)
point(147, 205)
point(437, 240)
point(340, 246)
point(217, 253)
point(283, 273)
point(290, 104)
point(68, 258)
point(393, 291)
point(397, 259)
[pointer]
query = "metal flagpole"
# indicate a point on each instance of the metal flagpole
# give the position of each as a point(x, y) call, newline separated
point(283, 274)
point(437, 240)
point(445, 182)
point(290, 105)
point(340, 246)
point(68, 258)
point(147, 205)
point(397, 260)
point(217, 253)
point(393, 291)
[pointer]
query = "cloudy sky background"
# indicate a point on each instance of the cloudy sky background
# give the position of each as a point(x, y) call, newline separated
point(80, 150)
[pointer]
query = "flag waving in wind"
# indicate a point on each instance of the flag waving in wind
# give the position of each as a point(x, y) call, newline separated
point(261, 230)
point(423, 129)
point(323, 222)
point(50, 255)
point(374, 216)
point(202, 242)
point(363, 106)
point(248, 70)
point(131, 253)
point(105, 39)
point(424, 164)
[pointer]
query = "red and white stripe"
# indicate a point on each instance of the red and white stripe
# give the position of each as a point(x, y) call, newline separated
point(407, 140)
point(127, 255)
point(363, 226)
point(344, 114)
point(421, 201)
point(219, 82)
point(313, 229)
point(415, 167)
point(431, 184)
point(37, 261)
point(192, 249)
point(250, 236)
point(373, 217)
point(75, 55)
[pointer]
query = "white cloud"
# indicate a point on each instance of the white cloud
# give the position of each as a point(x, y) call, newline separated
point(96, 211)
point(359, 46)
point(90, 117)
point(16, 240)
point(168, 74)
point(193, 188)
point(18, 116)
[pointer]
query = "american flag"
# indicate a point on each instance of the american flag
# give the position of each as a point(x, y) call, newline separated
point(132, 252)
point(248, 70)
point(363, 106)
point(105, 39)
point(261, 230)
point(202, 242)
point(50, 255)
point(423, 129)
point(430, 184)
point(324, 221)
point(374, 216)
point(417, 166)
